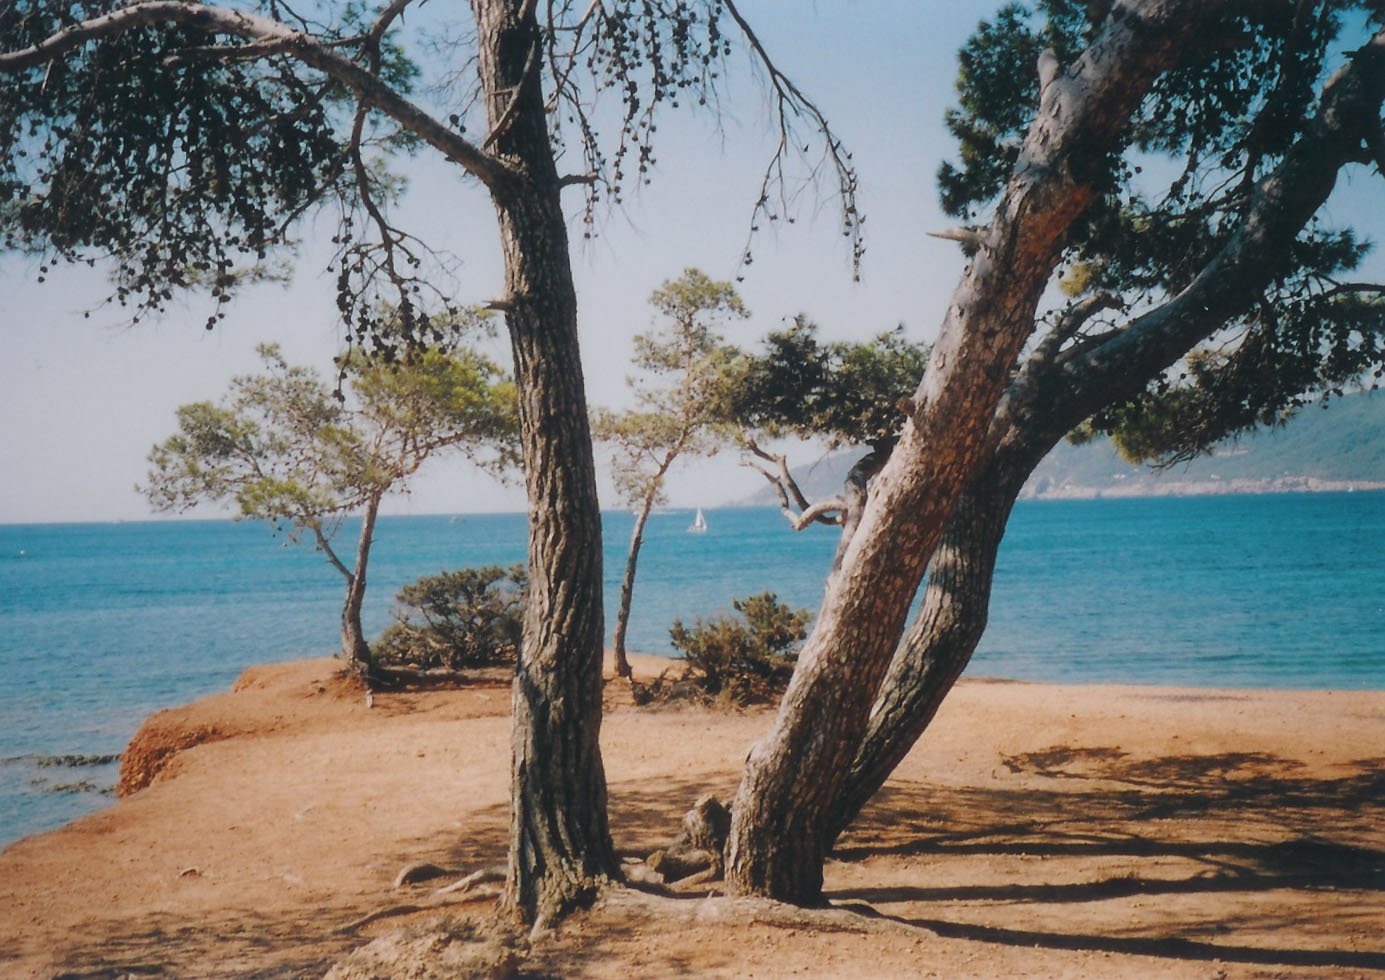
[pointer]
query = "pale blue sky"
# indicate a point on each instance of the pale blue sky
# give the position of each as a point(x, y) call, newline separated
point(83, 400)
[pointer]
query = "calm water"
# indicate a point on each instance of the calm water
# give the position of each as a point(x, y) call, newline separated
point(102, 624)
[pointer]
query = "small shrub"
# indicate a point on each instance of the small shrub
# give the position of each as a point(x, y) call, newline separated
point(467, 618)
point(741, 660)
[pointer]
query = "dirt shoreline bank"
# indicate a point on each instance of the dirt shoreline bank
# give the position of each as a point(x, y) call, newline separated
point(1038, 830)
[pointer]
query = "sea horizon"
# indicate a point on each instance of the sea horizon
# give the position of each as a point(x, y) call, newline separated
point(103, 623)
point(1175, 490)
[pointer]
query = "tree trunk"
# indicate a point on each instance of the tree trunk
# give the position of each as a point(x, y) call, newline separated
point(941, 640)
point(855, 490)
point(560, 842)
point(353, 643)
point(627, 586)
point(780, 818)
point(1055, 393)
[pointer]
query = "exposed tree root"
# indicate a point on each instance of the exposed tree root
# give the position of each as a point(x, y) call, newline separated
point(696, 853)
point(667, 909)
point(469, 882)
point(465, 889)
point(445, 948)
point(385, 913)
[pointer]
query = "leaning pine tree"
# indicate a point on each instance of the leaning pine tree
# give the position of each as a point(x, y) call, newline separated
point(1228, 268)
point(1228, 252)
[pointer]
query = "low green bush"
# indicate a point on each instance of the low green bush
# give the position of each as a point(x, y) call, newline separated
point(467, 618)
point(744, 659)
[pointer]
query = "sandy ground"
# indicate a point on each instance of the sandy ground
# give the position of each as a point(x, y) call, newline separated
point(1038, 831)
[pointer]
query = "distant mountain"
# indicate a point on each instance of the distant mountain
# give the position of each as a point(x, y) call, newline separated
point(1337, 447)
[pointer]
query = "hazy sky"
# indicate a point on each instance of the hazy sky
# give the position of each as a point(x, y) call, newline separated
point(83, 400)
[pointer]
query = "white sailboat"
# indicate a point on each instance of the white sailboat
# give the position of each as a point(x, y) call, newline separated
point(699, 524)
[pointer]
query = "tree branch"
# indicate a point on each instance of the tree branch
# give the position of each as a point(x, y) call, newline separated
point(969, 237)
point(1375, 142)
point(1348, 288)
point(1069, 323)
point(272, 37)
point(832, 511)
point(1086, 345)
point(570, 179)
point(829, 511)
point(382, 23)
point(227, 52)
point(791, 102)
point(325, 546)
point(367, 197)
point(560, 79)
point(1283, 202)
point(785, 476)
point(1076, 316)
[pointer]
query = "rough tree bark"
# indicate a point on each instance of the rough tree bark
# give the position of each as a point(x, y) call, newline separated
point(1057, 390)
point(560, 842)
point(794, 773)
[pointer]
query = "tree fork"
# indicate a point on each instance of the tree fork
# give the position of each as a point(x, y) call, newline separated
point(1055, 392)
point(794, 774)
point(940, 643)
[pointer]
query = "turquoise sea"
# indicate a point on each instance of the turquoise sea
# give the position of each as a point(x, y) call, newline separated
point(101, 624)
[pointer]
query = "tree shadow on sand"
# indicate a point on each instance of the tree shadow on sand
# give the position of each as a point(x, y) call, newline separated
point(1225, 845)
point(246, 943)
point(1189, 858)
point(1192, 858)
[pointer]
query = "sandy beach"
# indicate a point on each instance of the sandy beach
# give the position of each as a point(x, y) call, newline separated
point(1037, 831)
